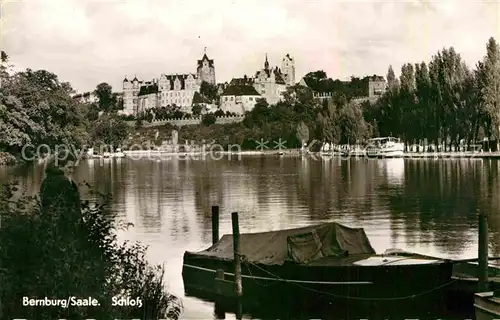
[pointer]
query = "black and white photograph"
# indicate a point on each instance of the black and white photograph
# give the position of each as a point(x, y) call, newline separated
point(249, 159)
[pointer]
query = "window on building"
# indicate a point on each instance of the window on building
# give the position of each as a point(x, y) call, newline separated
point(250, 98)
point(231, 98)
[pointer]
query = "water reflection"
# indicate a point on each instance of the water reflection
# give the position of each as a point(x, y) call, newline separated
point(394, 170)
point(427, 206)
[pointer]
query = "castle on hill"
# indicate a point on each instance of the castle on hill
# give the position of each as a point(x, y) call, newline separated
point(168, 89)
point(241, 94)
point(181, 90)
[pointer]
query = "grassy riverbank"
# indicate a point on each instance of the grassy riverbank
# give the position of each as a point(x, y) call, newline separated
point(225, 135)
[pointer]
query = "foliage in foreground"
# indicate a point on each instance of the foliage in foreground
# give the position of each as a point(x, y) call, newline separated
point(61, 253)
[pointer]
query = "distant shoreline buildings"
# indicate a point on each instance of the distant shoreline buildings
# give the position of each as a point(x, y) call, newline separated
point(167, 90)
point(238, 96)
point(181, 90)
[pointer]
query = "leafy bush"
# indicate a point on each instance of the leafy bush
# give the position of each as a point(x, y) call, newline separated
point(56, 252)
point(110, 130)
point(208, 119)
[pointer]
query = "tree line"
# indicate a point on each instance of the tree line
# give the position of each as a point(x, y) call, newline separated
point(36, 108)
point(442, 101)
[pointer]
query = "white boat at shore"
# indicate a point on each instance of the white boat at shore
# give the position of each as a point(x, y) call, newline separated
point(118, 153)
point(91, 154)
point(357, 152)
point(385, 147)
point(328, 150)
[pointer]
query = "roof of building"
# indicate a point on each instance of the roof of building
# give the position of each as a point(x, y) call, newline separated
point(171, 78)
point(240, 90)
point(125, 80)
point(376, 78)
point(135, 79)
point(288, 56)
point(307, 82)
point(245, 81)
point(199, 98)
point(205, 57)
point(148, 89)
point(277, 74)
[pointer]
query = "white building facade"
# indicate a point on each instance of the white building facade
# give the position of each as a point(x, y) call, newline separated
point(178, 90)
point(376, 87)
point(130, 95)
point(87, 97)
point(288, 69)
point(171, 89)
point(270, 83)
point(147, 98)
point(239, 98)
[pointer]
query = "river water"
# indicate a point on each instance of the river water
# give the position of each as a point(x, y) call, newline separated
point(425, 206)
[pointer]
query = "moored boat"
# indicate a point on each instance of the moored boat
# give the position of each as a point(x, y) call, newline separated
point(466, 281)
point(385, 147)
point(357, 152)
point(322, 262)
point(118, 153)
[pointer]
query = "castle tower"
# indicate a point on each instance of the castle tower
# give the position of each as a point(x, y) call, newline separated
point(266, 64)
point(128, 98)
point(205, 70)
point(288, 70)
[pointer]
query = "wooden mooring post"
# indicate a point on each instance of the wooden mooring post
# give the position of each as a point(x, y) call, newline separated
point(219, 310)
point(483, 253)
point(237, 264)
point(215, 224)
point(236, 250)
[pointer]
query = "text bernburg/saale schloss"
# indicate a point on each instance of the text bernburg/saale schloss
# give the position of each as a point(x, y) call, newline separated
point(79, 302)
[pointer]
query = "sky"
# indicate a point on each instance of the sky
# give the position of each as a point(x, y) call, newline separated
point(88, 42)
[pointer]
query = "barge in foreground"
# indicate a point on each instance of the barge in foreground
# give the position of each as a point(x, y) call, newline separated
point(311, 264)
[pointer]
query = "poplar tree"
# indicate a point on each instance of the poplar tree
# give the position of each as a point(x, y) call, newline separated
point(489, 84)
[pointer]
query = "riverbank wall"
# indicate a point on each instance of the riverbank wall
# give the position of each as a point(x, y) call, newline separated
point(187, 121)
point(297, 152)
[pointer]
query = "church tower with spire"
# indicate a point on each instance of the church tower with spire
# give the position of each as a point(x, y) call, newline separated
point(206, 69)
point(269, 83)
